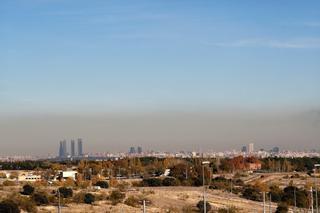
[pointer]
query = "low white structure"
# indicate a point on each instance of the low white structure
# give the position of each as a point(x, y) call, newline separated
point(29, 177)
point(68, 174)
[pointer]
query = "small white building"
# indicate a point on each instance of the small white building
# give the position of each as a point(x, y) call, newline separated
point(29, 177)
point(68, 174)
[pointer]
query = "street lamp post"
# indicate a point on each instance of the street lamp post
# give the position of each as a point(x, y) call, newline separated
point(144, 204)
point(311, 192)
point(59, 204)
point(315, 185)
point(204, 188)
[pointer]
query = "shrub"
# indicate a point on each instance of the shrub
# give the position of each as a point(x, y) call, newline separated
point(282, 208)
point(275, 193)
point(78, 197)
point(116, 197)
point(40, 198)
point(9, 206)
point(228, 210)
point(301, 196)
point(152, 182)
point(89, 198)
point(8, 183)
point(3, 175)
point(137, 183)
point(201, 206)
point(170, 181)
point(102, 184)
point(25, 203)
point(27, 190)
point(252, 193)
point(132, 201)
point(65, 192)
point(123, 186)
point(188, 209)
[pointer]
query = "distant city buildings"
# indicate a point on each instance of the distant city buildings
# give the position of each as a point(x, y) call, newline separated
point(73, 151)
point(134, 151)
point(250, 148)
point(139, 150)
point(244, 149)
point(63, 149)
point(63, 153)
point(275, 150)
point(80, 148)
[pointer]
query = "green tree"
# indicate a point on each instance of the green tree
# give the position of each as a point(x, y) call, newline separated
point(65, 192)
point(252, 193)
point(89, 198)
point(170, 181)
point(40, 198)
point(152, 182)
point(282, 208)
point(102, 184)
point(9, 206)
point(27, 189)
point(275, 193)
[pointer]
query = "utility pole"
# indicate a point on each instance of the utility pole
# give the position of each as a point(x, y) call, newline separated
point(204, 192)
point(59, 205)
point(204, 188)
point(187, 173)
point(144, 206)
point(311, 191)
point(270, 208)
point(316, 187)
point(295, 199)
point(264, 202)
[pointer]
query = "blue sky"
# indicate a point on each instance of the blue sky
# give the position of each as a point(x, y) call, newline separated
point(75, 55)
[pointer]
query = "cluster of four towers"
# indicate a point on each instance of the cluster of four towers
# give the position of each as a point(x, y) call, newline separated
point(63, 152)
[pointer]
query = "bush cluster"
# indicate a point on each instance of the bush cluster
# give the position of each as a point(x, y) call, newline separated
point(156, 182)
point(65, 192)
point(116, 197)
point(102, 184)
point(9, 206)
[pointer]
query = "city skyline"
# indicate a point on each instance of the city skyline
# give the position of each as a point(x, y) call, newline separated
point(162, 75)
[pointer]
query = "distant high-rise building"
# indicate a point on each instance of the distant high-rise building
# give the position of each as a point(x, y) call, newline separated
point(80, 150)
point(275, 149)
point(73, 151)
point(132, 150)
point(139, 150)
point(63, 149)
point(244, 149)
point(250, 148)
point(61, 154)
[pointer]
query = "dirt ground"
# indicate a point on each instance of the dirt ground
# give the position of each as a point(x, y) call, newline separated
point(169, 199)
point(177, 199)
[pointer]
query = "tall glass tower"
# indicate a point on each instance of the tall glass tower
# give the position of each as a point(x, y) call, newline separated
point(73, 151)
point(80, 150)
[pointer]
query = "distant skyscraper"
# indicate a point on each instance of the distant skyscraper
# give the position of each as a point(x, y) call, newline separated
point(244, 149)
point(61, 154)
point(132, 150)
point(73, 151)
point(275, 149)
point(65, 152)
point(250, 148)
point(63, 149)
point(139, 150)
point(80, 150)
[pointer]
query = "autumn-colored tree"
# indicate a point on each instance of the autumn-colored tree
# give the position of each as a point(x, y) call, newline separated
point(238, 163)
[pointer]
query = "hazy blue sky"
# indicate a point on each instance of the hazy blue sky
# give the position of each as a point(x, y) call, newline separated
point(67, 57)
